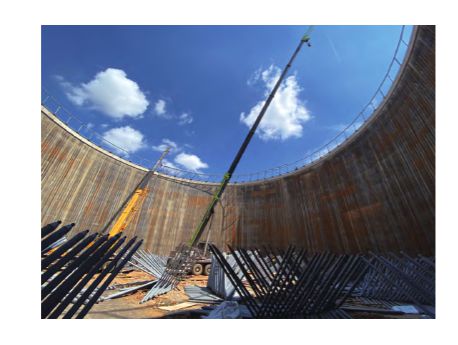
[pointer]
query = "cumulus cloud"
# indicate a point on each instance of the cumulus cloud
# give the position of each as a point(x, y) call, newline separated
point(159, 107)
point(287, 112)
point(185, 119)
point(190, 162)
point(125, 138)
point(166, 143)
point(182, 159)
point(160, 110)
point(110, 92)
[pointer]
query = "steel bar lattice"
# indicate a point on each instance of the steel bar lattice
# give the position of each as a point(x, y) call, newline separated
point(275, 284)
point(292, 284)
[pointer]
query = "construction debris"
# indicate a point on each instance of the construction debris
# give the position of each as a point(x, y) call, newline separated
point(173, 272)
point(218, 281)
point(226, 310)
point(149, 263)
point(128, 291)
point(201, 295)
point(268, 283)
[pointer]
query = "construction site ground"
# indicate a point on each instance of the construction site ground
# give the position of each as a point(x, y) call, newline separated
point(129, 307)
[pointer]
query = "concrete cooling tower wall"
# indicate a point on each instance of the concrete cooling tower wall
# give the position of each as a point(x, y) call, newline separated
point(374, 192)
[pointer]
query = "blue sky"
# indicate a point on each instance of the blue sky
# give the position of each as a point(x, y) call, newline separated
point(198, 88)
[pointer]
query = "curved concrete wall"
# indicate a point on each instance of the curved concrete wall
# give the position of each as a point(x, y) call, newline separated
point(376, 192)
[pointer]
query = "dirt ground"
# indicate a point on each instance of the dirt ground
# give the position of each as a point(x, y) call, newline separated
point(129, 307)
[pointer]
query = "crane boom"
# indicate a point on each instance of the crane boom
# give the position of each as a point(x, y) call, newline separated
point(129, 207)
point(227, 176)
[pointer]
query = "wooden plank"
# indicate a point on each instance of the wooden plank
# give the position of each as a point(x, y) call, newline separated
point(178, 306)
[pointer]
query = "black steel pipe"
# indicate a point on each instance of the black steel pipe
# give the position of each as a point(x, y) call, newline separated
point(83, 268)
point(71, 255)
point(108, 281)
point(46, 290)
point(62, 249)
point(45, 243)
point(47, 229)
point(82, 283)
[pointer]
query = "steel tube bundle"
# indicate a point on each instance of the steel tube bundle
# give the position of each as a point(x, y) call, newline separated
point(67, 271)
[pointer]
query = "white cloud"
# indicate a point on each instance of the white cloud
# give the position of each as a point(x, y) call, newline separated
point(159, 107)
point(166, 143)
point(254, 78)
point(190, 162)
point(160, 110)
point(110, 92)
point(287, 112)
point(125, 138)
point(59, 78)
point(185, 119)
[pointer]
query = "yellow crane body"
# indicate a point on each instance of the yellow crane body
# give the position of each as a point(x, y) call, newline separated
point(131, 205)
point(135, 199)
point(128, 211)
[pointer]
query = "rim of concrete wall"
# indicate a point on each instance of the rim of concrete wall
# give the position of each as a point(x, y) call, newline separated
point(79, 137)
point(353, 137)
